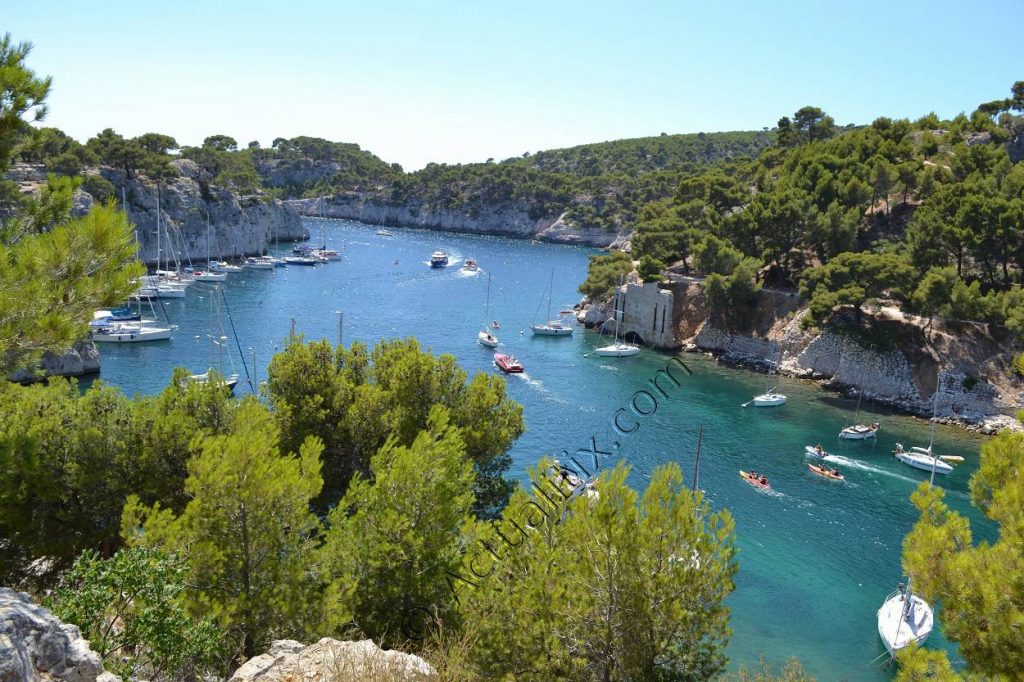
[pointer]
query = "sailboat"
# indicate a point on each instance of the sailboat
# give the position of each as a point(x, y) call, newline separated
point(484, 337)
point(109, 330)
point(618, 349)
point(770, 397)
point(551, 327)
point(217, 343)
point(923, 458)
point(858, 431)
point(208, 275)
point(904, 619)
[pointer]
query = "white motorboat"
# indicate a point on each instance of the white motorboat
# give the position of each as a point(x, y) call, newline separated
point(470, 265)
point(771, 397)
point(815, 451)
point(208, 276)
point(254, 263)
point(132, 333)
point(223, 266)
point(327, 254)
point(439, 259)
point(551, 327)
point(923, 459)
point(385, 233)
point(167, 291)
point(904, 619)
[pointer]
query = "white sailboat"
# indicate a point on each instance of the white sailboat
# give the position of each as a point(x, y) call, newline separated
point(258, 263)
point(484, 337)
point(107, 330)
point(218, 340)
point(858, 431)
point(904, 619)
point(923, 458)
point(619, 349)
point(771, 397)
point(551, 327)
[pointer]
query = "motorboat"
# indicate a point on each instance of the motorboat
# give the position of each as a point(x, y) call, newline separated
point(327, 254)
point(132, 333)
point(385, 233)
point(254, 263)
point(508, 363)
point(208, 276)
point(439, 259)
point(905, 619)
point(300, 260)
point(223, 266)
point(815, 451)
point(470, 265)
point(923, 459)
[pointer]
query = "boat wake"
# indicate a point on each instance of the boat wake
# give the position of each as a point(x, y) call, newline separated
point(468, 273)
point(857, 464)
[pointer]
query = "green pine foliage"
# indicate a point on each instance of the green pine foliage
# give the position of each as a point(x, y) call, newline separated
point(605, 273)
point(978, 584)
point(355, 400)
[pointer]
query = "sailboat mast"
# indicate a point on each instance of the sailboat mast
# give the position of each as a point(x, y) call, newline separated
point(487, 306)
point(551, 288)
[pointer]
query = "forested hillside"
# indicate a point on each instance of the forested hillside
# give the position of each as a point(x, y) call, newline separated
point(926, 213)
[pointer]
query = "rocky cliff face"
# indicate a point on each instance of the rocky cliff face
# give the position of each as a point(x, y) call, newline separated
point(238, 226)
point(506, 219)
point(36, 647)
point(329, 659)
point(971, 371)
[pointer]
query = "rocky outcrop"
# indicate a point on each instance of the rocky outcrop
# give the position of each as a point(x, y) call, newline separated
point(36, 647)
point(238, 225)
point(82, 359)
point(903, 368)
point(509, 219)
point(332, 661)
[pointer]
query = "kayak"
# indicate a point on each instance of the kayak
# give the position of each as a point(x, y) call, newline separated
point(814, 453)
point(821, 471)
point(753, 481)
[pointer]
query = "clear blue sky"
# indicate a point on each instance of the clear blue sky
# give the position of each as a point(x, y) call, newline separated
point(454, 82)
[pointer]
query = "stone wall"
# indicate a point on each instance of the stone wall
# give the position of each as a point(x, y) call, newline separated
point(82, 359)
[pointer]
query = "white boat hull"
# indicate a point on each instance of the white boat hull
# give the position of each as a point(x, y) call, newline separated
point(127, 334)
point(924, 462)
point(769, 400)
point(169, 292)
point(619, 350)
point(852, 433)
point(210, 276)
point(259, 265)
point(485, 339)
point(898, 632)
point(547, 330)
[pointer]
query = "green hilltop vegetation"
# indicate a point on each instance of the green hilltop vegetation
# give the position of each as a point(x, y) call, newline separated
point(928, 214)
point(597, 186)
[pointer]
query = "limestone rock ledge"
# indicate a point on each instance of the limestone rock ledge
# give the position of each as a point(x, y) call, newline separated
point(507, 219)
point(332, 661)
point(36, 647)
point(83, 358)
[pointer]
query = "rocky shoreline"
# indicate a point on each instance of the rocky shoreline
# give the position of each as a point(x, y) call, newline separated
point(971, 373)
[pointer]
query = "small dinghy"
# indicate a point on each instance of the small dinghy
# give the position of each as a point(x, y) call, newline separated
point(815, 451)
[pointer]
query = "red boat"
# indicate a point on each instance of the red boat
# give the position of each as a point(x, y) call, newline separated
point(507, 363)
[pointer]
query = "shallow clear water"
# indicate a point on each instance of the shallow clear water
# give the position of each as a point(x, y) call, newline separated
point(817, 557)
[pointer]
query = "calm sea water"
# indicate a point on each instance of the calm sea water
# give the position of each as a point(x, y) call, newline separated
point(817, 557)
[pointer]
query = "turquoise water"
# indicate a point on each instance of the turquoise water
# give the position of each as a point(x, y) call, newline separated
point(817, 557)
